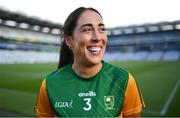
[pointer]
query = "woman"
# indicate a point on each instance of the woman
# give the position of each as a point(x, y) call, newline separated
point(84, 85)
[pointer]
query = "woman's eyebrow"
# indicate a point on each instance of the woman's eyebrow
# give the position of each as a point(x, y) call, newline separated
point(101, 24)
point(90, 25)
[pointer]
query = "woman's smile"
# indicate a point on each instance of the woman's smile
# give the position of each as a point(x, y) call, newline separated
point(95, 50)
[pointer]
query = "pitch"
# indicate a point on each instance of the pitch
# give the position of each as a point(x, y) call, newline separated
point(159, 83)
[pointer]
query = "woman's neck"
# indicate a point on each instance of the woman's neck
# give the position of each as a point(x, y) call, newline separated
point(86, 71)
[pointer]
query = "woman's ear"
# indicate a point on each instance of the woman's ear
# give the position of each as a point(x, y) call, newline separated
point(68, 40)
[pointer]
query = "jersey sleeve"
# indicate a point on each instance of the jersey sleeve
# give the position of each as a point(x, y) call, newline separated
point(133, 102)
point(43, 107)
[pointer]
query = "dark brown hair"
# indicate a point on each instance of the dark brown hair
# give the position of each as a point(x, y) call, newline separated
point(66, 55)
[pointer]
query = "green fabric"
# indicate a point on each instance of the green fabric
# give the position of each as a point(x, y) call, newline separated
point(99, 96)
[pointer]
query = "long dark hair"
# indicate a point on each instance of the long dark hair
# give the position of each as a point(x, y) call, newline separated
point(66, 55)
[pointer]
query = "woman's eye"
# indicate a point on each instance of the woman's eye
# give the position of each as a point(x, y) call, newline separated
point(102, 29)
point(86, 29)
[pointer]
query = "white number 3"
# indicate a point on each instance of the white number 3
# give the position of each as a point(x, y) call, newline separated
point(88, 100)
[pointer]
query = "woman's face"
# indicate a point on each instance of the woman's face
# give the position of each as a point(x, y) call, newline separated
point(89, 39)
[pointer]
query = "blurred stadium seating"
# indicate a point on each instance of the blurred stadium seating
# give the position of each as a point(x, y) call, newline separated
point(25, 39)
point(155, 55)
point(18, 56)
point(147, 42)
point(171, 55)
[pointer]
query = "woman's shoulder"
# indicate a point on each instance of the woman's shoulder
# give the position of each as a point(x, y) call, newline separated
point(115, 68)
point(117, 75)
point(116, 72)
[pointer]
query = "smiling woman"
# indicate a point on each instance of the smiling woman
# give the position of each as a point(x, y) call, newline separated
point(83, 81)
point(88, 43)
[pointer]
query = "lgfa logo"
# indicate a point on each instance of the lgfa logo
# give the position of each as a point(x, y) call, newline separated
point(64, 104)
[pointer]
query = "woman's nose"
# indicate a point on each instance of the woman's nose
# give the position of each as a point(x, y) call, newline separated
point(96, 35)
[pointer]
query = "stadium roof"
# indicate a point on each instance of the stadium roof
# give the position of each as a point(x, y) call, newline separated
point(154, 27)
point(21, 18)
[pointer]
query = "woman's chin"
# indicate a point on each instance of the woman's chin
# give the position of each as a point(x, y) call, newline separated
point(95, 60)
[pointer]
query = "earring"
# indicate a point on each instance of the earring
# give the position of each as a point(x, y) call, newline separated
point(69, 47)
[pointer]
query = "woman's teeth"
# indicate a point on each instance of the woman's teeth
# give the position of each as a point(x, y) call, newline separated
point(94, 49)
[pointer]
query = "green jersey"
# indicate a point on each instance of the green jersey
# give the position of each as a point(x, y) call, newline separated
point(98, 96)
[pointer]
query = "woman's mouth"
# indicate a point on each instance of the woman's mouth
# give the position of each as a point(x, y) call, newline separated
point(95, 50)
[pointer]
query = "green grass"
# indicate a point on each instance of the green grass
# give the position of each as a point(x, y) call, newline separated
point(19, 85)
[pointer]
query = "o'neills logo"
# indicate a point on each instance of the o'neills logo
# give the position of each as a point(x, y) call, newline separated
point(88, 94)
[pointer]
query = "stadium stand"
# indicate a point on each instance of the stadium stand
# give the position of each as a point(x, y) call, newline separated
point(171, 56)
point(17, 56)
point(25, 39)
point(148, 42)
point(155, 56)
point(140, 55)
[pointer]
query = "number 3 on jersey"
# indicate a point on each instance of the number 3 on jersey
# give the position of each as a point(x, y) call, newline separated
point(88, 104)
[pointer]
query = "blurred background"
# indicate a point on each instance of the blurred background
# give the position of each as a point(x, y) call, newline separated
point(144, 38)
